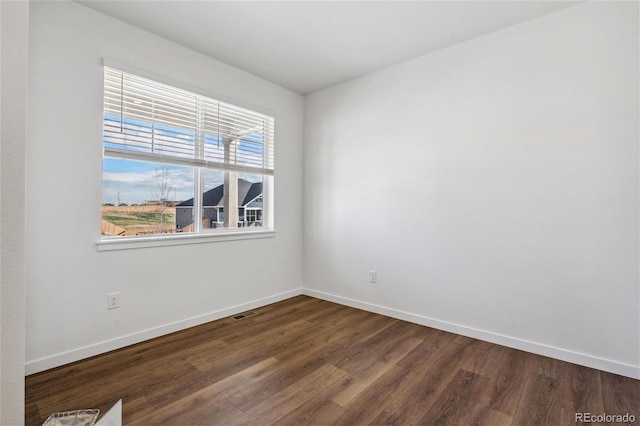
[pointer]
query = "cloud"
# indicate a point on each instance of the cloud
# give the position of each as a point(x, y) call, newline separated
point(139, 186)
point(134, 182)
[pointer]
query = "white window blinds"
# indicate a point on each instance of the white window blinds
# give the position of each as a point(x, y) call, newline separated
point(147, 120)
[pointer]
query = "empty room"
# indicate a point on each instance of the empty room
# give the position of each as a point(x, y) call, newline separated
point(326, 213)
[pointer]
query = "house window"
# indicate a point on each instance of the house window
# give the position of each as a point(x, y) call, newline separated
point(179, 163)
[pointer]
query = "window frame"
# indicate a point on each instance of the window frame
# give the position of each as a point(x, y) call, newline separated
point(199, 234)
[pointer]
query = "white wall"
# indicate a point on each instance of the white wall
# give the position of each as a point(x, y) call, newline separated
point(14, 32)
point(493, 185)
point(162, 289)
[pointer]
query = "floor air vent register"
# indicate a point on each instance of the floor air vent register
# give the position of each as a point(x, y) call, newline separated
point(242, 316)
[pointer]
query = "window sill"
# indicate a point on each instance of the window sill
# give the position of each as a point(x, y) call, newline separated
point(126, 243)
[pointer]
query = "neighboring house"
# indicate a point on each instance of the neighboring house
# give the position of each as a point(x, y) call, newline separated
point(249, 206)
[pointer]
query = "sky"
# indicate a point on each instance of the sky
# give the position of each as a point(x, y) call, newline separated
point(136, 182)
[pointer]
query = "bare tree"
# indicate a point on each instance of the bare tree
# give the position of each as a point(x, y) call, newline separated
point(163, 181)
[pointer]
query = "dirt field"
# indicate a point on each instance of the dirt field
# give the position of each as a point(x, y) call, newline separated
point(138, 215)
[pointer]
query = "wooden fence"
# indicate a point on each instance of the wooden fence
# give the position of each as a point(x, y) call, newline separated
point(109, 229)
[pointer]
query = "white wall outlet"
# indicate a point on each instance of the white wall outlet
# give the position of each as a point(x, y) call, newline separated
point(113, 300)
point(373, 276)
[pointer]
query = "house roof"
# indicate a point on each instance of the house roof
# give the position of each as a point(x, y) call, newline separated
point(247, 192)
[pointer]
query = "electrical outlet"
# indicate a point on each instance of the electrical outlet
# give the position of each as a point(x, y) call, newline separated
point(113, 300)
point(373, 276)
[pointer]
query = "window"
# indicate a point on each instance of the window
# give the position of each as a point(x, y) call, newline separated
point(178, 163)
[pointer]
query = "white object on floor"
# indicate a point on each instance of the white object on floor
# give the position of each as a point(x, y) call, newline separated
point(73, 418)
point(113, 417)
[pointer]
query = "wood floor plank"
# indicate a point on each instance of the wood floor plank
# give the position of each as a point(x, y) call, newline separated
point(361, 379)
point(222, 413)
point(427, 351)
point(306, 354)
point(269, 323)
point(285, 375)
point(287, 400)
point(105, 389)
point(215, 365)
point(80, 380)
point(335, 339)
point(369, 350)
point(456, 402)
point(247, 329)
point(621, 395)
point(313, 362)
point(135, 409)
point(580, 392)
point(508, 383)
point(326, 312)
point(551, 367)
point(384, 418)
point(483, 415)
point(316, 411)
point(411, 402)
point(371, 332)
point(538, 398)
point(272, 337)
point(293, 308)
point(370, 402)
point(485, 359)
point(199, 403)
point(32, 415)
point(126, 356)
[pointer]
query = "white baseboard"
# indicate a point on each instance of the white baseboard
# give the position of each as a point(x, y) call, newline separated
point(42, 364)
point(591, 361)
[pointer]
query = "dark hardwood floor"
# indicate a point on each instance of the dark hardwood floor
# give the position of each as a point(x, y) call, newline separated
point(308, 361)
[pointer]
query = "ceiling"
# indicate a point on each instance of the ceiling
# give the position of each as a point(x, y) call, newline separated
point(308, 46)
